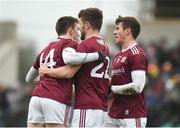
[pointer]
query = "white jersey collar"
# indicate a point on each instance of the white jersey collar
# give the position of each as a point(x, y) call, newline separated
point(63, 37)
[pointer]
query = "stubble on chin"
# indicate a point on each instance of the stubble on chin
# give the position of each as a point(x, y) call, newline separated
point(82, 36)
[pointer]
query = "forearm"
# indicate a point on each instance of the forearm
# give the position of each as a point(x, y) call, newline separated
point(126, 89)
point(60, 73)
point(64, 72)
point(71, 57)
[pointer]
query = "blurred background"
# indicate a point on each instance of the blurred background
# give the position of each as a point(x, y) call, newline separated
point(26, 26)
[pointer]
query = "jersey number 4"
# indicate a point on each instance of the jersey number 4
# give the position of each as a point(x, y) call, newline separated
point(48, 60)
point(103, 74)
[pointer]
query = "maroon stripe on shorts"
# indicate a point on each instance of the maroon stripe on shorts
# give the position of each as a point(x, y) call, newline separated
point(138, 122)
point(82, 118)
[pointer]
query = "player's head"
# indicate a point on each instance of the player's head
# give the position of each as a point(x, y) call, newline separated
point(126, 26)
point(67, 24)
point(90, 18)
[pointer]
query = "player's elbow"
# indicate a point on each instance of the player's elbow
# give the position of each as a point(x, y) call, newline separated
point(139, 89)
point(67, 61)
point(28, 80)
point(70, 71)
point(68, 76)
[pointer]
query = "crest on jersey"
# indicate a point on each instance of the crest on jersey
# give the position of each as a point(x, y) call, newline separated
point(123, 59)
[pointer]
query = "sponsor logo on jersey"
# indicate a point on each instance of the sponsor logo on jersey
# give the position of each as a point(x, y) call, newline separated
point(119, 70)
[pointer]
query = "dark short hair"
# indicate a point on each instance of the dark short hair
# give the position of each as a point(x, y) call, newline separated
point(64, 23)
point(129, 22)
point(93, 15)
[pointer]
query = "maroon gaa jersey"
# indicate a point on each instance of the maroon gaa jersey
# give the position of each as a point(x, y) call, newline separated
point(128, 106)
point(91, 81)
point(49, 87)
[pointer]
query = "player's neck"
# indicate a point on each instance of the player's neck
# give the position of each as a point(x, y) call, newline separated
point(92, 33)
point(128, 43)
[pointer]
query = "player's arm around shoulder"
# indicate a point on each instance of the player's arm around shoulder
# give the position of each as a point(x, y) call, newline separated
point(71, 57)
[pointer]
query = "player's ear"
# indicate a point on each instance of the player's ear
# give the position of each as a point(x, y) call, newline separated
point(70, 31)
point(87, 25)
point(128, 31)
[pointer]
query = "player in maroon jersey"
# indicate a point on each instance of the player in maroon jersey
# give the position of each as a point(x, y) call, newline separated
point(50, 102)
point(128, 77)
point(91, 81)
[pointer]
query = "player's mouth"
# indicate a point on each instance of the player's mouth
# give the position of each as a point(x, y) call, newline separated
point(116, 37)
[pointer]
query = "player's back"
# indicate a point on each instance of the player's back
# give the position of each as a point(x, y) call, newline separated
point(91, 81)
point(49, 87)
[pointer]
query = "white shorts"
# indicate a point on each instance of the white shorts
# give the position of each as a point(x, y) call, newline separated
point(130, 122)
point(44, 110)
point(88, 118)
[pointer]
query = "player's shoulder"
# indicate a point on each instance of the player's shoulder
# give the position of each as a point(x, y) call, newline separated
point(136, 53)
point(90, 40)
point(64, 42)
point(52, 43)
point(136, 50)
point(93, 41)
point(67, 40)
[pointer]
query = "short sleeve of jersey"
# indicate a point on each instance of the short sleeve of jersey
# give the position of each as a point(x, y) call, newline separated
point(138, 62)
point(37, 62)
point(81, 48)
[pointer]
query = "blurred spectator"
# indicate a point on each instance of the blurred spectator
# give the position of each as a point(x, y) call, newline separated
point(175, 56)
point(163, 85)
point(162, 51)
